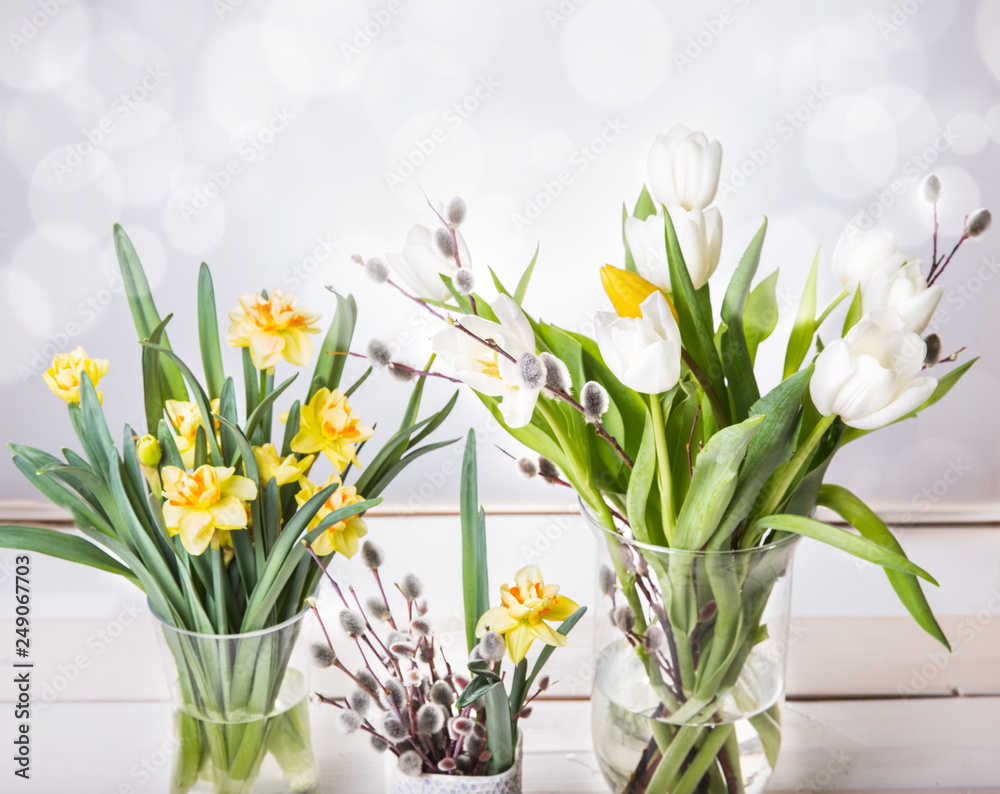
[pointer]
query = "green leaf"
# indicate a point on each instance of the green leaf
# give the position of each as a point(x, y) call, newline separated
point(768, 727)
point(713, 483)
point(760, 316)
point(522, 285)
point(863, 518)
point(333, 354)
point(640, 484)
point(853, 313)
point(475, 577)
point(859, 546)
point(476, 689)
point(695, 326)
point(496, 283)
point(208, 333)
point(291, 429)
point(144, 314)
point(251, 387)
point(264, 406)
point(805, 323)
point(152, 379)
point(499, 731)
point(945, 385)
point(62, 545)
point(735, 353)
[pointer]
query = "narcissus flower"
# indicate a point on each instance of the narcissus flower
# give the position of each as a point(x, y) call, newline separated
point(63, 377)
point(327, 425)
point(342, 536)
point(526, 606)
point(185, 417)
point(147, 449)
point(204, 502)
point(271, 466)
point(274, 328)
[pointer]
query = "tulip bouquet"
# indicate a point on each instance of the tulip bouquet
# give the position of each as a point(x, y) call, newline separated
point(408, 698)
point(207, 514)
point(698, 478)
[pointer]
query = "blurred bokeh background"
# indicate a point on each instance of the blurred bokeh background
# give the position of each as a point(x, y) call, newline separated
point(274, 139)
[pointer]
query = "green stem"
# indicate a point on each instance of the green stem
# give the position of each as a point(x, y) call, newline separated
point(663, 467)
point(706, 756)
point(833, 305)
point(671, 758)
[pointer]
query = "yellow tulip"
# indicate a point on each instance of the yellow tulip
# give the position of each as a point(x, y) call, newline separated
point(342, 536)
point(525, 608)
point(271, 466)
point(63, 377)
point(273, 328)
point(203, 504)
point(327, 425)
point(627, 290)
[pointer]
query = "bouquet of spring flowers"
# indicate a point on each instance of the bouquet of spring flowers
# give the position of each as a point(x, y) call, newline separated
point(407, 696)
point(698, 477)
point(207, 513)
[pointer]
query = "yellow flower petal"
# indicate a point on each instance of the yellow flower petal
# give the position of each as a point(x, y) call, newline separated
point(561, 608)
point(547, 634)
point(496, 619)
point(196, 531)
point(228, 513)
point(519, 641)
point(241, 487)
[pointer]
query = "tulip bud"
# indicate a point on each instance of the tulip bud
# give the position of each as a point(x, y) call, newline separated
point(442, 238)
point(933, 354)
point(348, 721)
point(377, 270)
point(932, 189)
point(455, 213)
point(422, 262)
point(546, 468)
point(977, 223)
point(378, 353)
point(527, 468)
point(148, 450)
point(532, 371)
point(371, 555)
point(905, 289)
point(411, 764)
point(464, 281)
point(643, 353)
point(595, 401)
point(627, 290)
point(556, 373)
point(860, 254)
point(683, 168)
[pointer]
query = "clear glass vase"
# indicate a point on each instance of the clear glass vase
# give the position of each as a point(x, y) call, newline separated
point(690, 670)
point(241, 715)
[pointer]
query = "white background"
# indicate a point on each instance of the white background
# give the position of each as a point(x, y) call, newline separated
point(888, 80)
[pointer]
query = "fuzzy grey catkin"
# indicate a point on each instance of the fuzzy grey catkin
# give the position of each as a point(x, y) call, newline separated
point(378, 353)
point(442, 694)
point(447, 764)
point(411, 587)
point(933, 354)
point(376, 607)
point(430, 719)
point(653, 639)
point(420, 626)
point(360, 701)
point(556, 373)
point(978, 223)
point(462, 726)
point(396, 693)
point(527, 468)
point(323, 655)
point(411, 764)
point(464, 281)
point(348, 721)
point(442, 238)
point(624, 618)
point(352, 623)
point(403, 649)
point(394, 730)
point(595, 401)
point(492, 646)
point(547, 469)
point(368, 681)
point(400, 373)
point(531, 371)
point(377, 270)
point(456, 210)
point(606, 577)
point(932, 189)
point(379, 745)
point(372, 555)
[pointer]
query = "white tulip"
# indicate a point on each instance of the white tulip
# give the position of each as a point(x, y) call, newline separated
point(422, 263)
point(860, 254)
point(644, 353)
point(699, 234)
point(904, 289)
point(869, 377)
point(486, 371)
point(683, 168)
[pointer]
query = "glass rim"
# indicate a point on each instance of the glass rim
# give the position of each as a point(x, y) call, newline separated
point(259, 632)
point(639, 544)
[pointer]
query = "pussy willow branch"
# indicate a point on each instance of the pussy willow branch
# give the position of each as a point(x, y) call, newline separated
point(454, 244)
point(420, 373)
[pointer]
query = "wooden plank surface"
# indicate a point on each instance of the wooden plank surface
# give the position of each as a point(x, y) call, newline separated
point(945, 745)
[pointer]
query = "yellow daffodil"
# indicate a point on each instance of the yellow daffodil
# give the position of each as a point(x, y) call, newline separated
point(271, 466)
point(342, 536)
point(186, 419)
point(274, 328)
point(147, 450)
point(627, 291)
point(63, 377)
point(525, 608)
point(327, 425)
point(201, 504)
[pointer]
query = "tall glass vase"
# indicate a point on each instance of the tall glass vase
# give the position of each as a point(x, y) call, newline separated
point(241, 713)
point(690, 670)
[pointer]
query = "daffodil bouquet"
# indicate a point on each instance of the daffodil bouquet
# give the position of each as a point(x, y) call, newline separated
point(409, 699)
point(698, 476)
point(215, 518)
